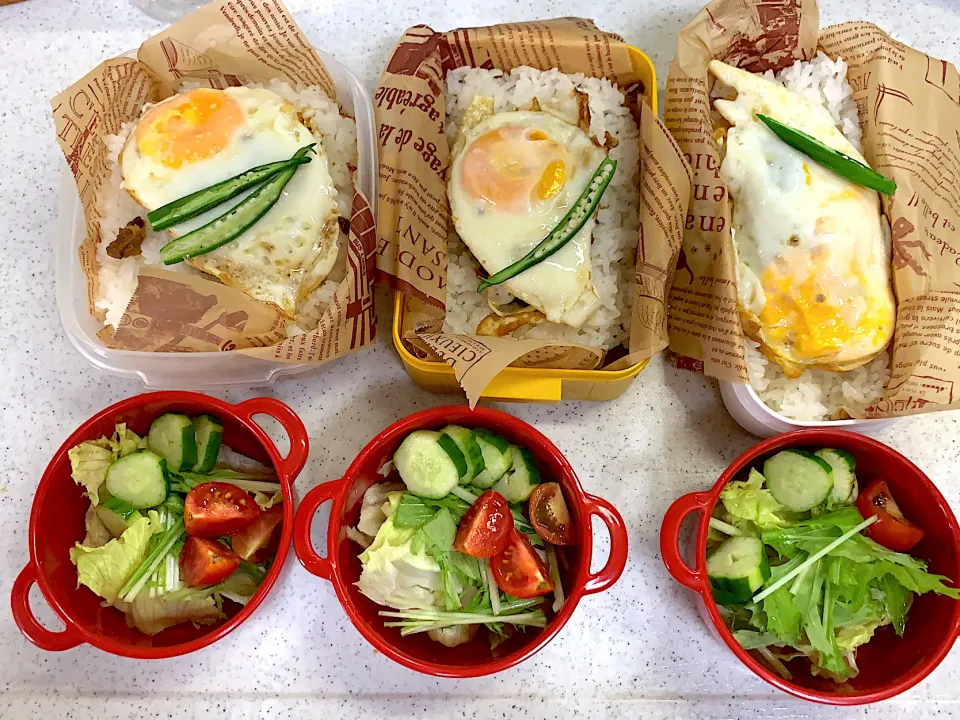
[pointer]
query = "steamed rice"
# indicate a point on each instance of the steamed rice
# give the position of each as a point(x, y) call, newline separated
point(118, 278)
point(616, 233)
point(819, 394)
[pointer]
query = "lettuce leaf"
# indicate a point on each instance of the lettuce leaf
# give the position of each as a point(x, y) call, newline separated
point(90, 460)
point(105, 569)
point(151, 615)
point(747, 500)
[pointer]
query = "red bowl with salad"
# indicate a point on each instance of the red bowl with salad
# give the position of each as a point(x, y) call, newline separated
point(827, 562)
point(160, 525)
point(459, 541)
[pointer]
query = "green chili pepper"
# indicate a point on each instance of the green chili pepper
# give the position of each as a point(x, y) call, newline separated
point(199, 202)
point(565, 230)
point(232, 223)
point(843, 165)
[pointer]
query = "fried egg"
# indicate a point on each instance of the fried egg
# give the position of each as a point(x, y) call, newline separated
point(204, 136)
point(513, 178)
point(813, 262)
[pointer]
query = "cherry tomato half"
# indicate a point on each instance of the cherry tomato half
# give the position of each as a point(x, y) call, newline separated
point(519, 571)
point(214, 509)
point(206, 562)
point(485, 528)
point(549, 515)
point(260, 540)
point(892, 529)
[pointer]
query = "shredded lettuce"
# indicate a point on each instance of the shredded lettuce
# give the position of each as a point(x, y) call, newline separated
point(106, 569)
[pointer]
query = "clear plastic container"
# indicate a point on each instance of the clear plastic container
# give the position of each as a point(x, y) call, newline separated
point(192, 370)
point(745, 406)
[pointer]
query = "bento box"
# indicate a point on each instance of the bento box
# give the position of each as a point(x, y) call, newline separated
point(202, 333)
point(446, 336)
point(813, 286)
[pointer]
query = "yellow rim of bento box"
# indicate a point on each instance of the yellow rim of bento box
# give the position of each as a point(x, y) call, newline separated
point(518, 383)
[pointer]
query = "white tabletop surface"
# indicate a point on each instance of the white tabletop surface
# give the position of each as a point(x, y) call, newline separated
point(638, 650)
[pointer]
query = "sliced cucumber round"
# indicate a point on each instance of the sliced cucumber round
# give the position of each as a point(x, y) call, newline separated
point(139, 479)
point(497, 458)
point(425, 465)
point(209, 436)
point(172, 436)
point(472, 455)
point(737, 569)
point(799, 480)
point(842, 465)
point(518, 484)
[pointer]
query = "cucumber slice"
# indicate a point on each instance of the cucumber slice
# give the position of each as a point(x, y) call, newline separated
point(117, 515)
point(139, 479)
point(737, 569)
point(425, 466)
point(497, 458)
point(798, 479)
point(173, 437)
point(518, 484)
point(471, 451)
point(842, 465)
point(209, 437)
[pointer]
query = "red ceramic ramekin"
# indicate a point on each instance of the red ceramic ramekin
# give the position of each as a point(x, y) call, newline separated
point(56, 524)
point(342, 567)
point(888, 664)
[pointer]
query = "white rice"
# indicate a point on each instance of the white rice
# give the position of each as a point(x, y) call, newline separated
point(819, 394)
point(616, 233)
point(118, 278)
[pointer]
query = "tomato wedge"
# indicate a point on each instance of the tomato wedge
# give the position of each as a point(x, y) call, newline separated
point(485, 528)
point(214, 509)
point(549, 515)
point(892, 529)
point(519, 571)
point(260, 540)
point(206, 562)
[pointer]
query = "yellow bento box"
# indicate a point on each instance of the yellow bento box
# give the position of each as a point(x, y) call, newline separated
point(520, 384)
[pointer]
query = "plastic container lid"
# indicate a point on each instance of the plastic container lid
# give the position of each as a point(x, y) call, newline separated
point(201, 369)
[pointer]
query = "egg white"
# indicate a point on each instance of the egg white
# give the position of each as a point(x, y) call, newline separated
point(292, 248)
point(802, 221)
point(560, 286)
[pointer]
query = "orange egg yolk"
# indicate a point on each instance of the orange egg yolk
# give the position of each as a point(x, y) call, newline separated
point(819, 315)
point(190, 127)
point(514, 168)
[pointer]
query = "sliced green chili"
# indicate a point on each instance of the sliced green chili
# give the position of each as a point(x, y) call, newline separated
point(232, 223)
point(199, 202)
point(843, 165)
point(565, 230)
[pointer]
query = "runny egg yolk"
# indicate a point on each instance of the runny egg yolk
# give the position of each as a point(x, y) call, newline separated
point(818, 315)
point(514, 167)
point(191, 127)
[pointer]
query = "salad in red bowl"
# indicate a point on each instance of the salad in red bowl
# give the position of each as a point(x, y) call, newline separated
point(463, 535)
point(803, 564)
point(178, 523)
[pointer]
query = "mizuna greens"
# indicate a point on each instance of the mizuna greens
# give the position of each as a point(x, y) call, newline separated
point(808, 583)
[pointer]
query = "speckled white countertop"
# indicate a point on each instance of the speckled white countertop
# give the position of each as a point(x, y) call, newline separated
point(638, 650)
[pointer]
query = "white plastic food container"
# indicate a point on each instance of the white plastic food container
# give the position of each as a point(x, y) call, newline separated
point(200, 369)
point(743, 403)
